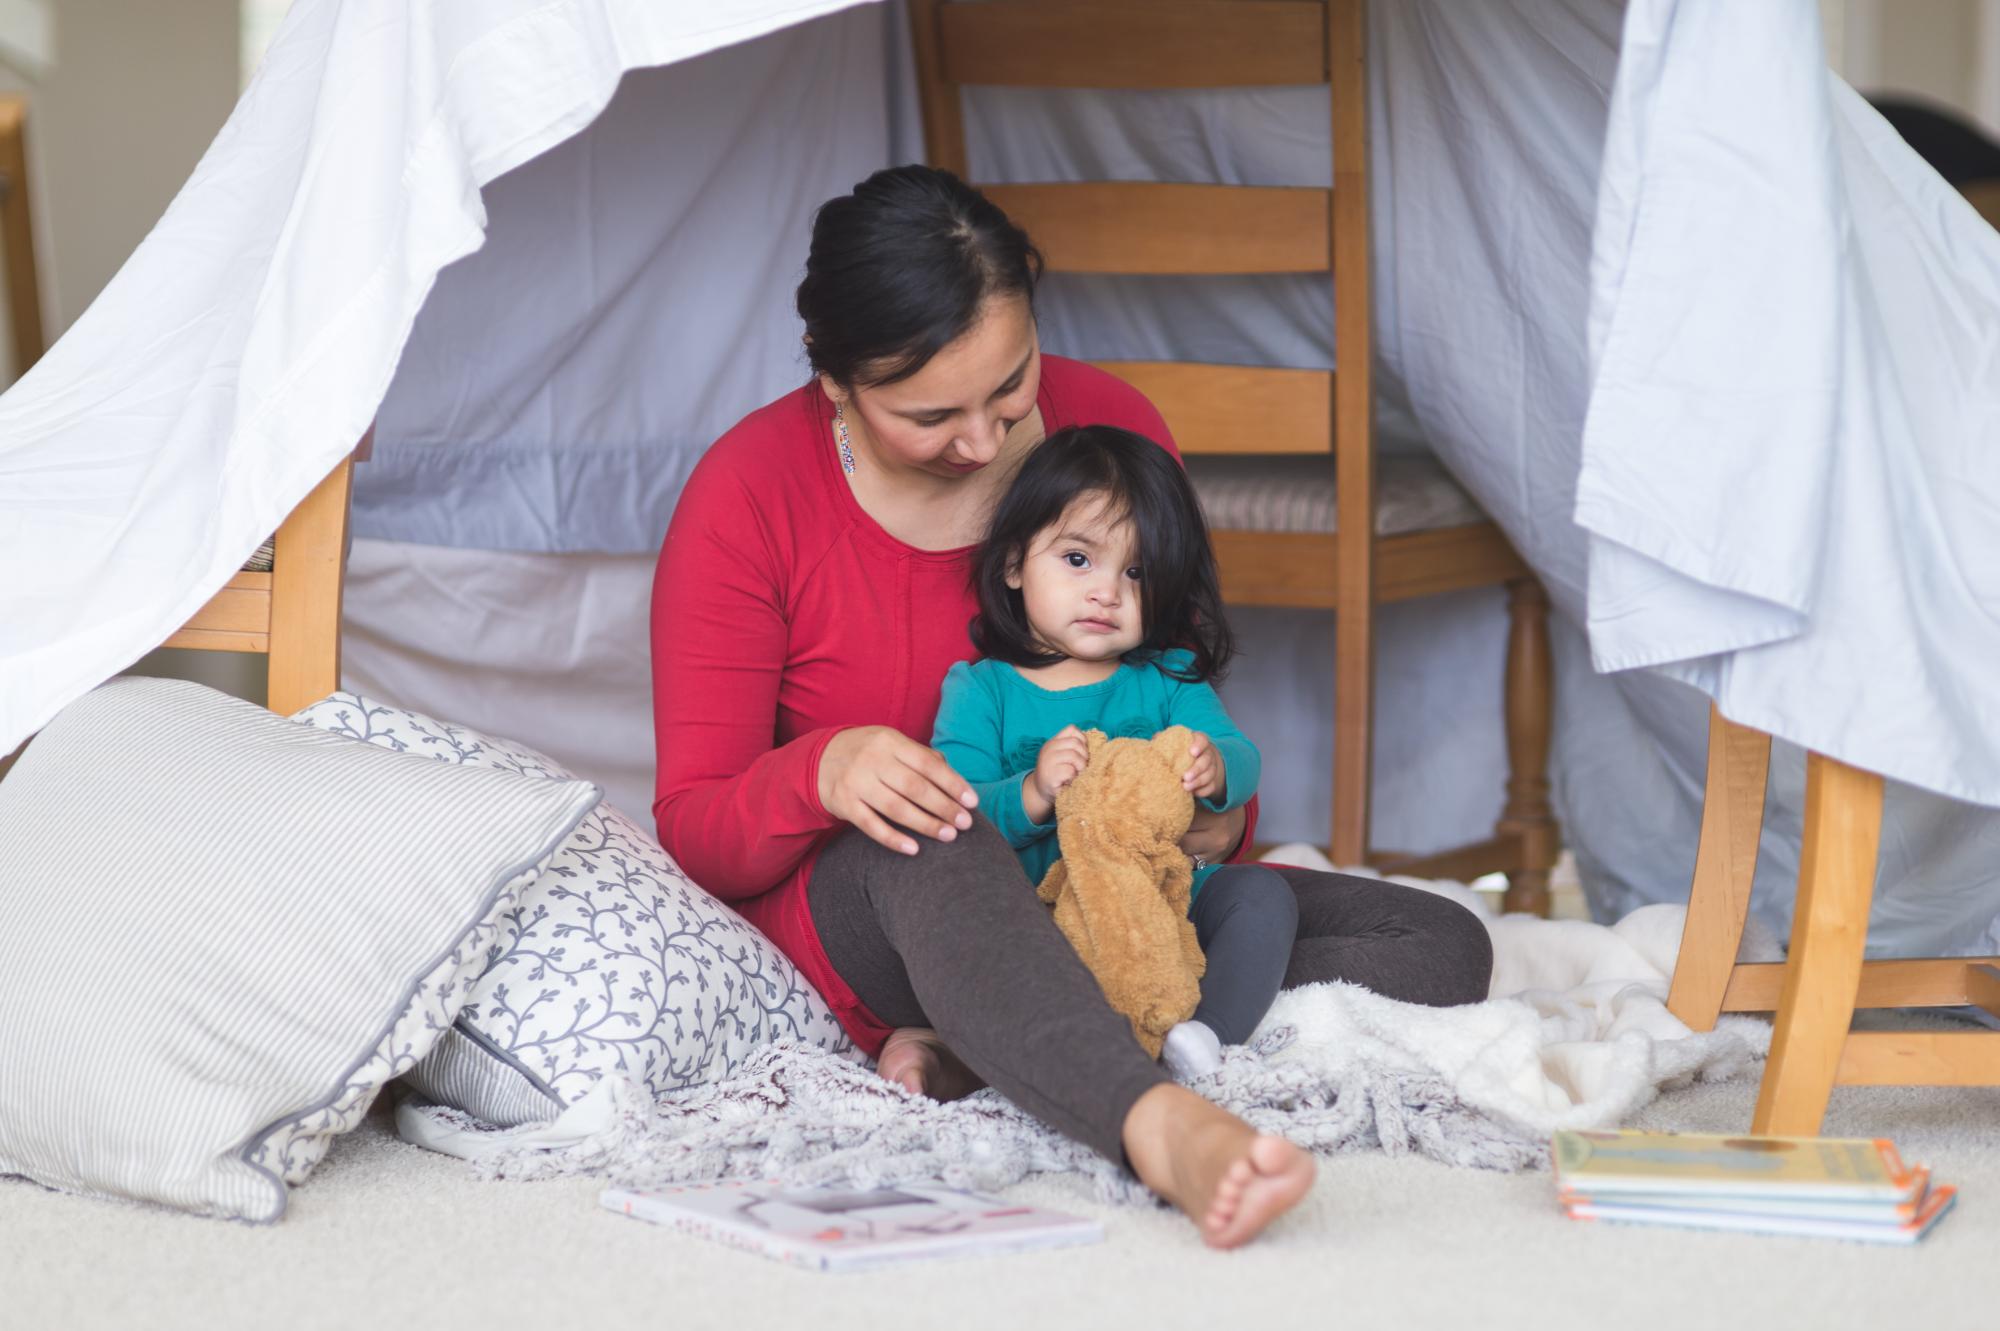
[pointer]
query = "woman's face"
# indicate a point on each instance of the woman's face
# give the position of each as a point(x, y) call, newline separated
point(950, 418)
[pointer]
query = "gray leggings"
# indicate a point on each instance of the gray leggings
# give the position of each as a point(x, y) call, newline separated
point(1247, 918)
point(954, 938)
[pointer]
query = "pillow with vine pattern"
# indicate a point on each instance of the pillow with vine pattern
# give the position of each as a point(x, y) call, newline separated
point(612, 962)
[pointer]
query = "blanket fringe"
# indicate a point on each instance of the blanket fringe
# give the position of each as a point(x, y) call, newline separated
point(796, 1111)
point(812, 1117)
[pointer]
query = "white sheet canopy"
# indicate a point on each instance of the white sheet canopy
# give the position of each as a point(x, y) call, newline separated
point(249, 341)
point(1673, 303)
point(1791, 466)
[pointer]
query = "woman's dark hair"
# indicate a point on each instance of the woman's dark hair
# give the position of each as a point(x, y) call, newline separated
point(898, 270)
point(1142, 483)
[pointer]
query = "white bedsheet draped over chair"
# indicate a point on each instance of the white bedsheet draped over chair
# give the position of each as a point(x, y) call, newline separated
point(633, 298)
point(1796, 511)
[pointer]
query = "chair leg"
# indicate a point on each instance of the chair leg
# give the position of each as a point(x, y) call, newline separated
point(1725, 864)
point(1354, 429)
point(1829, 929)
point(1527, 819)
point(1353, 740)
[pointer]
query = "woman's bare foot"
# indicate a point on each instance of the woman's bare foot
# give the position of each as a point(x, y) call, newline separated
point(917, 1060)
point(1230, 1180)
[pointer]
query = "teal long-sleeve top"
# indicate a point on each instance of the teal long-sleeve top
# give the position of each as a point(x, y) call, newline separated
point(992, 722)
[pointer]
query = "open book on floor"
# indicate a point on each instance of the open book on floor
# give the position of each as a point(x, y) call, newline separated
point(835, 1229)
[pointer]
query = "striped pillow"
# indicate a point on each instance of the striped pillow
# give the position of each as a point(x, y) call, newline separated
point(221, 933)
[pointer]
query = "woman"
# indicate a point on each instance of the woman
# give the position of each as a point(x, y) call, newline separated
point(810, 596)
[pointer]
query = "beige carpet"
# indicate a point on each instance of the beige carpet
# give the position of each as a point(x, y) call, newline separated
point(386, 1234)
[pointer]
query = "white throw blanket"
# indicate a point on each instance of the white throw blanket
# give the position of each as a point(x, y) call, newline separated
point(1575, 1031)
point(1582, 1038)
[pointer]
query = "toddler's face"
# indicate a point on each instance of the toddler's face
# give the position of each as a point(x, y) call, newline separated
point(1080, 583)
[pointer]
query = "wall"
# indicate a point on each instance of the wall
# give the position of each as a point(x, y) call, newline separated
point(137, 91)
point(1945, 50)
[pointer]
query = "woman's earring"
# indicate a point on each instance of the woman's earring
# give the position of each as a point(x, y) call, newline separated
point(840, 436)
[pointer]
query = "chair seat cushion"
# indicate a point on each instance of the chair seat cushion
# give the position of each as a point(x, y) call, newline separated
point(262, 560)
point(1296, 494)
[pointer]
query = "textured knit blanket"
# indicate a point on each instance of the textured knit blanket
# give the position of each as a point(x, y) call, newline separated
point(1333, 1067)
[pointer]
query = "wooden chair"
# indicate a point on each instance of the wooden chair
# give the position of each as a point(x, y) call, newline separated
point(287, 604)
point(1343, 560)
point(17, 237)
point(1816, 990)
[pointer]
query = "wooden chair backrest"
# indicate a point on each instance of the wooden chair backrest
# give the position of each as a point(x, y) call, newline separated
point(292, 613)
point(1185, 229)
point(1127, 227)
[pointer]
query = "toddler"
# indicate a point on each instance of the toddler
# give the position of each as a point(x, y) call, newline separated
point(1099, 609)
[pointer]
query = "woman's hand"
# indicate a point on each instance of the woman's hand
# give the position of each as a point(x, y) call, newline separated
point(875, 776)
point(1056, 766)
point(1212, 837)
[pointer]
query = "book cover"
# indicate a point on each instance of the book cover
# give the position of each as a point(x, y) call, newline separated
point(1888, 1211)
point(1603, 1164)
point(836, 1229)
point(1696, 1216)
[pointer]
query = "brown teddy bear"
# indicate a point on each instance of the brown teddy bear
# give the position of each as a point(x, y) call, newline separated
point(1120, 890)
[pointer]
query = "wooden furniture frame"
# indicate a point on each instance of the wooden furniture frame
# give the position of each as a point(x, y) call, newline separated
point(292, 613)
point(1125, 227)
point(17, 237)
point(1816, 990)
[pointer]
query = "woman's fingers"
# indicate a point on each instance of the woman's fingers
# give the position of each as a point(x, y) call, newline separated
point(878, 830)
point(930, 809)
point(930, 764)
point(1213, 836)
point(899, 809)
point(884, 782)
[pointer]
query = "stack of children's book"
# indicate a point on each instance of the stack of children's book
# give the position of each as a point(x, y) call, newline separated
point(1821, 1187)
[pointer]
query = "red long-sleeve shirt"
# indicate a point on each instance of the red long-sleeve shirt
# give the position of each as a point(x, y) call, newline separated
point(782, 613)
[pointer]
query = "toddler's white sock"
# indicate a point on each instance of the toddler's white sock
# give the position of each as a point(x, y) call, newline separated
point(1191, 1050)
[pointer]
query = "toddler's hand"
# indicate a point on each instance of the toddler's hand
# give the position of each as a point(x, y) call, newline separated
point(1205, 777)
point(1056, 766)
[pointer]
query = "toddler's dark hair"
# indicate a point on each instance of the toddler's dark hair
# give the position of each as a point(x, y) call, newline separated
point(1179, 593)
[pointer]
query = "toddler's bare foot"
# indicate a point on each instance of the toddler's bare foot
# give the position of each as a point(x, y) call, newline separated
point(917, 1060)
point(1227, 1178)
point(1262, 1183)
